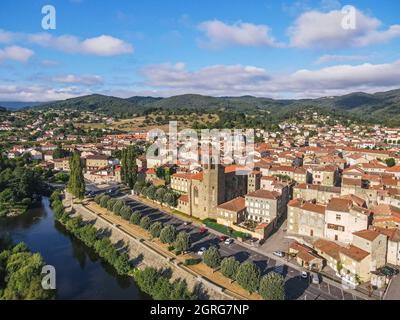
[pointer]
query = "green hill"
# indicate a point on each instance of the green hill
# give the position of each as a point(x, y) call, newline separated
point(380, 107)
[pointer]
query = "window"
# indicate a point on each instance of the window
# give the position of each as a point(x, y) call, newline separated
point(338, 217)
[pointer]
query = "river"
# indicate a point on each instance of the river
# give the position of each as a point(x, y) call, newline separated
point(80, 274)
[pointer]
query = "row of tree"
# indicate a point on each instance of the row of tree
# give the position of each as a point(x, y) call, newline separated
point(160, 288)
point(160, 194)
point(247, 275)
point(166, 233)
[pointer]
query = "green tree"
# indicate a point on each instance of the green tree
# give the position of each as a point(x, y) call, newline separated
point(248, 276)
point(135, 218)
point(104, 200)
point(110, 204)
point(390, 162)
point(159, 196)
point(229, 267)
point(128, 166)
point(76, 183)
point(155, 229)
point(168, 234)
point(126, 212)
point(272, 287)
point(117, 207)
point(212, 257)
point(182, 242)
point(145, 222)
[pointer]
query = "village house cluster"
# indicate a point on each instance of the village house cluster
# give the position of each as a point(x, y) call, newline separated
point(335, 189)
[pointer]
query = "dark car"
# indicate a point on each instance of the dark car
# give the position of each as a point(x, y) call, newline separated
point(389, 271)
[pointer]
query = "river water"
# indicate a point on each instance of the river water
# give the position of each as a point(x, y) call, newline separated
point(80, 274)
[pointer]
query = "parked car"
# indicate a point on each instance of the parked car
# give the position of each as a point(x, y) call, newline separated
point(201, 251)
point(304, 275)
point(202, 230)
point(315, 278)
point(186, 223)
point(222, 238)
point(278, 253)
point(228, 241)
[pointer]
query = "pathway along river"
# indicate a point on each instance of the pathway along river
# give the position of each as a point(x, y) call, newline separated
point(80, 273)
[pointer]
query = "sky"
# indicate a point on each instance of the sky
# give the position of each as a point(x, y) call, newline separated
point(266, 48)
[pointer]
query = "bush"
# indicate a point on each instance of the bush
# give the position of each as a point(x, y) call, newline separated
point(168, 234)
point(212, 257)
point(248, 276)
point(192, 261)
point(135, 218)
point(145, 222)
point(155, 229)
point(272, 287)
point(229, 267)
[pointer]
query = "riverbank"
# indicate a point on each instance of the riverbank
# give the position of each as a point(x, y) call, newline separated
point(155, 282)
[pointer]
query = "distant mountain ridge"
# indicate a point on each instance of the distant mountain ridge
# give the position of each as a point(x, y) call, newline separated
point(382, 106)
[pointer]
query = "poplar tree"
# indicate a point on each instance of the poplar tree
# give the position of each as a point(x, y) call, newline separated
point(76, 183)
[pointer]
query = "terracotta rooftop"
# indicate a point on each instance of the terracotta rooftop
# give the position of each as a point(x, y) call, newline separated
point(369, 235)
point(354, 253)
point(265, 194)
point(235, 205)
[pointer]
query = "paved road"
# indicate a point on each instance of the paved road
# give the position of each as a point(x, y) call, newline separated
point(296, 287)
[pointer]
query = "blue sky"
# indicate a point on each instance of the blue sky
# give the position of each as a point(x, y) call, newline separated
point(280, 49)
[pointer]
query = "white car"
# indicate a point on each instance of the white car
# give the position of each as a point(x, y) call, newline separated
point(315, 279)
point(278, 254)
point(304, 275)
point(201, 251)
point(228, 241)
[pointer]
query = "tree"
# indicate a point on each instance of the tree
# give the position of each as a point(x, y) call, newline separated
point(104, 200)
point(182, 242)
point(390, 162)
point(155, 229)
point(128, 167)
point(162, 289)
point(248, 276)
point(159, 196)
point(168, 234)
point(117, 207)
point(151, 192)
point(135, 218)
point(170, 198)
point(229, 267)
point(145, 222)
point(97, 198)
point(126, 212)
point(212, 257)
point(272, 287)
point(76, 182)
point(110, 204)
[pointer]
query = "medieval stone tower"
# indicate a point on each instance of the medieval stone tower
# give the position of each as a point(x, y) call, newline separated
point(208, 193)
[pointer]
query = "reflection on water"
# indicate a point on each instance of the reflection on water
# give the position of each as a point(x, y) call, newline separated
point(80, 273)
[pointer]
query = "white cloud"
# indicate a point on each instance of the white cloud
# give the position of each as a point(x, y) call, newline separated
point(237, 80)
point(6, 36)
point(314, 29)
point(103, 45)
point(219, 34)
point(327, 58)
point(37, 93)
point(15, 53)
point(82, 79)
